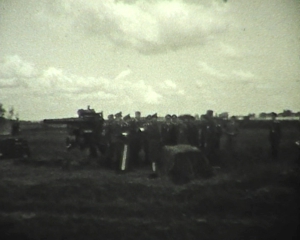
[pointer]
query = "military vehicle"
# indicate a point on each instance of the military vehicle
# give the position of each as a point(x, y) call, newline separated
point(12, 147)
point(84, 131)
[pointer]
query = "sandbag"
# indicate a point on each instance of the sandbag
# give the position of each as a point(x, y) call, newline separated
point(183, 163)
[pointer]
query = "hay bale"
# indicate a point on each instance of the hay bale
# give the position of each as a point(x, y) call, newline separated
point(183, 163)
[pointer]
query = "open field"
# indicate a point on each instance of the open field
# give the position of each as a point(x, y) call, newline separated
point(249, 197)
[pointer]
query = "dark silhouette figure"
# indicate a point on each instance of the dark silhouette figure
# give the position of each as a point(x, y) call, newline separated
point(274, 136)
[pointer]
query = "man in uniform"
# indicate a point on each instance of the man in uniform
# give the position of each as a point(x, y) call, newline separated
point(298, 143)
point(146, 125)
point(274, 136)
point(208, 135)
point(108, 140)
point(231, 131)
point(153, 135)
point(15, 128)
point(208, 131)
point(192, 132)
point(138, 115)
point(117, 143)
point(168, 132)
point(134, 142)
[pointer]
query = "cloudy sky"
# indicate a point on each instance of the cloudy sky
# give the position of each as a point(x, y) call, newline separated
point(164, 56)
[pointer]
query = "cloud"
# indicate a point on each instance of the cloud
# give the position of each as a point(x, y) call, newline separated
point(53, 83)
point(169, 88)
point(14, 72)
point(123, 74)
point(233, 76)
point(152, 97)
point(243, 74)
point(207, 69)
point(169, 84)
point(147, 26)
point(229, 51)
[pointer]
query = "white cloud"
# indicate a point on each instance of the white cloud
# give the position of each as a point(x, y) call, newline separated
point(147, 26)
point(169, 84)
point(123, 74)
point(152, 97)
point(207, 69)
point(14, 72)
point(228, 50)
point(243, 74)
point(13, 66)
point(233, 76)
point(53, 82)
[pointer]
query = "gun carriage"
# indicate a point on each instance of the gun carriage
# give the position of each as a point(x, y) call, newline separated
point(84, 132)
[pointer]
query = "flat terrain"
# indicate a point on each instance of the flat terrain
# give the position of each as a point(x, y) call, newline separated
point(249, 197)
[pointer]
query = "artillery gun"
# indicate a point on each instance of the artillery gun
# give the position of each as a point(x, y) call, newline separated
point(84, 132)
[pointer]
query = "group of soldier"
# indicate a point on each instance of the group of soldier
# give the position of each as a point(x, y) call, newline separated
point(125, 138)
point(122, 140)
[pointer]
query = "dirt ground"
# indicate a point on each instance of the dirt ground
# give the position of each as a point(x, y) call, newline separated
point(249, 197)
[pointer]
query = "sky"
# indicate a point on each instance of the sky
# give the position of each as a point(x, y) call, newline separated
point(153, 56)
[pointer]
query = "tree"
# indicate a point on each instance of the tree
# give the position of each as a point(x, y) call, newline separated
point(2, 110)
point(11, 113)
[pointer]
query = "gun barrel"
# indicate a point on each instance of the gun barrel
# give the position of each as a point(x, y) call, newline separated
point(64, 121)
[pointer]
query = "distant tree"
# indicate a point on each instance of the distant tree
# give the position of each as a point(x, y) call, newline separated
point(251, 115)
point(287, 113)
point(11, 113)
point(2, 110)
point(263, 115)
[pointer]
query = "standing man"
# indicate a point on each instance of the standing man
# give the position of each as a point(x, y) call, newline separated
point(107, 133)
point(168, 132)
point(154, 142)
point(15, 128)
point(208, 135)
point(231, 131)
point(274, 136)
point(192, 132)
point(219, 132)
point(134, 143)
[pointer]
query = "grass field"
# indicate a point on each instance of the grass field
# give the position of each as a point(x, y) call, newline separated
point(249, 197)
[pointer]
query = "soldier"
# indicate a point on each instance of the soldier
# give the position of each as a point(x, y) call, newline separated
point(274, 136)
point(208, 136)
point(192, 132)
point(168, 132)
point(117, 144)
point(176, 129)
point(118, 117)
point(219, 133)
point(127, 118)
point(231, 131)
point(208, 131)
point(110, 117)
point(15, 128)
point(182, 125)
point(298, 146)
point(138, 115)
point(298, 143)
point(145, 139)
point(135, 142)
point(153, 135)
point(108, 140)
